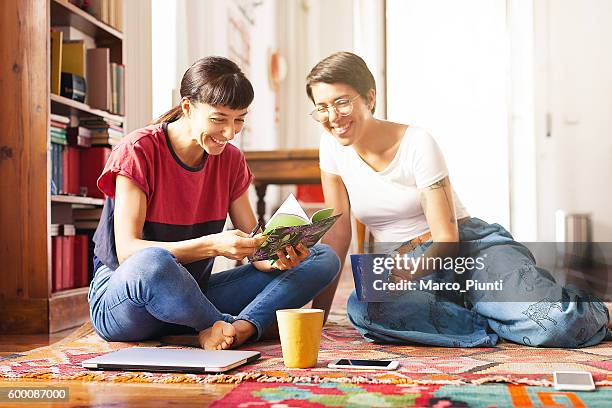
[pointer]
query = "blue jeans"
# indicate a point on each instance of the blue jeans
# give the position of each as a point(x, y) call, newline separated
point(152, 295)
point(562, 316)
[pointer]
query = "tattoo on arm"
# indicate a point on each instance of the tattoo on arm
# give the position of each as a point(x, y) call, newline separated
point(437, 185)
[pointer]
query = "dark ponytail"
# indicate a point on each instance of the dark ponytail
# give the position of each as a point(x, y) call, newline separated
point(213, 81)
point(170, 116)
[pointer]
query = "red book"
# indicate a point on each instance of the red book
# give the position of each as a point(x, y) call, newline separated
point(81, 263)
point(92, 163)
point(68, 262)
point(56, 263)
point(71, 170)
point(58, 125)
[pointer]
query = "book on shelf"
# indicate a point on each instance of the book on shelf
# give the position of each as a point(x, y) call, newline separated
point(70, 257)
point(93, 160)
point(71, 170)
point(81, 261)
point(87, 218)
point(99, 78)
point(56, 167)
point(57, 38)
point(59, 118)
point(106, 137)
point(104, 131)
point(73, 57)
point(86, 224)
point(78, 136)
point(87, 214)
point(95, 121)
point(117, 72)
point(68, 230)
point(54, 230)
point(58, 125)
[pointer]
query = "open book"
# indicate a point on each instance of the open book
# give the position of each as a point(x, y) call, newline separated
point(289, 225)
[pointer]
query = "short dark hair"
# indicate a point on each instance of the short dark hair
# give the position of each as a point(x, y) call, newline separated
point(214, 81)
point(344, 67)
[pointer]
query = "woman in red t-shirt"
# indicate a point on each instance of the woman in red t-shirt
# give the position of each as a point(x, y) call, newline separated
point(170, 187)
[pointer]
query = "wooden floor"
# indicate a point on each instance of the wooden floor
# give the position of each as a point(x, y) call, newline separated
point(100, 394)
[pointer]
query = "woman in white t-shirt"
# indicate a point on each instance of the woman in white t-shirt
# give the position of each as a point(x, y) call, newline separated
point(394, 179)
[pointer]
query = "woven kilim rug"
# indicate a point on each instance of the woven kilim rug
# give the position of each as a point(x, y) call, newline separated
point(418, 364)
point(252, 394)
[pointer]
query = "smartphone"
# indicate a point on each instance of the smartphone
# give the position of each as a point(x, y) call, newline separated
point(353, 364)
point(574, 381)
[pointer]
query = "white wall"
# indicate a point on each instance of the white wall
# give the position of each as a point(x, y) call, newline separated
point(163, 64)
point(369, 43)
point(523, 197)
point(447, 72)
point(574, 86)
point(308, 32)
point(138, 61)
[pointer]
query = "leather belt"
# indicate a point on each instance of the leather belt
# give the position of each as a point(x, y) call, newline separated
point(427, 236)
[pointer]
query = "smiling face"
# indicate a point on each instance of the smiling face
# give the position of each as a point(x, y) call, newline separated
point(212, 127)
point(346, 129)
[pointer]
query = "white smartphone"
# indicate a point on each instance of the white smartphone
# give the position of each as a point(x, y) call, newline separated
point(356, 364)
point(574, 381)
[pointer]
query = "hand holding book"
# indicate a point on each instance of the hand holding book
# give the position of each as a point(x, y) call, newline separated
point(290, 225)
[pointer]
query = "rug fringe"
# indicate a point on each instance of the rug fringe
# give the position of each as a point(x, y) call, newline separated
point(146, 377)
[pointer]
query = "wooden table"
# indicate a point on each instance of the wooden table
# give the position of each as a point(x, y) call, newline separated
point(298, 166)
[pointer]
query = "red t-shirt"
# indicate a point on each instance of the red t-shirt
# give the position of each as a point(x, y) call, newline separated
point(182, 202)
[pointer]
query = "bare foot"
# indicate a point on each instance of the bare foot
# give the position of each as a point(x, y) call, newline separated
point(218, 337)
point(244, 331)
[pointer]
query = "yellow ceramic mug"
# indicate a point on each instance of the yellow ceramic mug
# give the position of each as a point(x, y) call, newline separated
point(300, 335)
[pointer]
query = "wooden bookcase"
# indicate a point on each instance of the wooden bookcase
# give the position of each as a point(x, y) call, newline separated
point(27, 303)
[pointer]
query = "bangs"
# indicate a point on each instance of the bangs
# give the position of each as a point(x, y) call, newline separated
point(233, 91)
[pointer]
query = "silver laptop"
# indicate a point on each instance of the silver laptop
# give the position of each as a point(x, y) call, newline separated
point(171, 360)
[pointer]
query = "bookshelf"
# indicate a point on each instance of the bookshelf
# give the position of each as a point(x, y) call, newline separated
point(29, 211)
point(70, 107)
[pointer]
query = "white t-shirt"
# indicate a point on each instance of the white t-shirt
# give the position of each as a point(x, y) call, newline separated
point(387, 201)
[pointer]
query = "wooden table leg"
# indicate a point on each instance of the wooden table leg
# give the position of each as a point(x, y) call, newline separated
point(260, 189)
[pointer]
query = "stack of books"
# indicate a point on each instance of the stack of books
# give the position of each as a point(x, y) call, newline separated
point(70, 258)
point(86, 218)
point(79, 136)
point(59, 124)
point(104, 131)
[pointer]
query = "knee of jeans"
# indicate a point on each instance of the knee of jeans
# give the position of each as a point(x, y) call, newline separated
point(357, 311)
point(327, 263)
point(152, 264)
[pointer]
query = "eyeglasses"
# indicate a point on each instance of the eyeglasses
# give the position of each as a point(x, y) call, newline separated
point(342, 107)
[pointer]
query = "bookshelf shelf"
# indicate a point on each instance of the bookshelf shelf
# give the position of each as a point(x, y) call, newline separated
point(65, 13)
point(77, 200)
point(60, 104)
point(70, 292)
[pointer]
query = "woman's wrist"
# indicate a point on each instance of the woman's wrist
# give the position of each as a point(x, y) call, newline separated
point(207, 247)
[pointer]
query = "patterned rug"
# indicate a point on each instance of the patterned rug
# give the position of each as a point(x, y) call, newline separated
point(263, 395)
point(507, 362)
